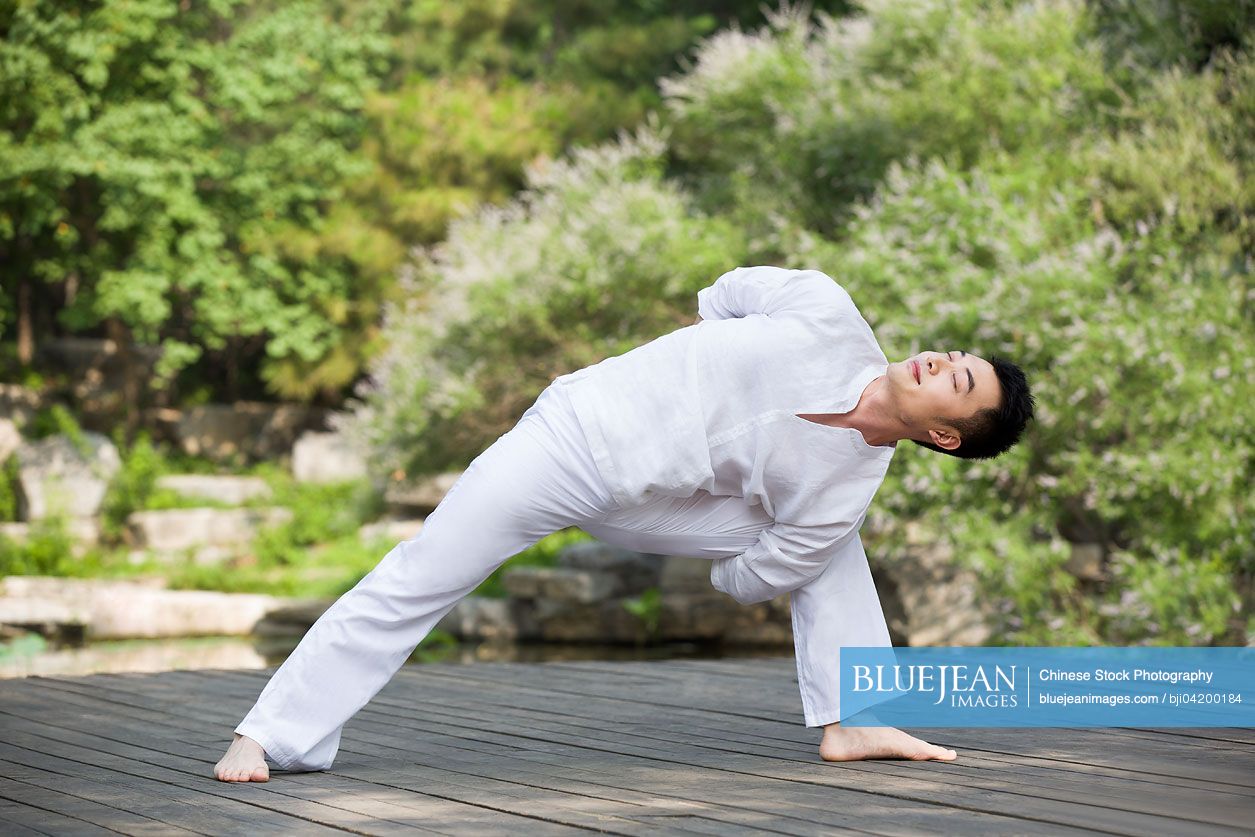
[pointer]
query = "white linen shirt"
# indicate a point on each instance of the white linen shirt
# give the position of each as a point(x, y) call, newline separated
point(715, 406)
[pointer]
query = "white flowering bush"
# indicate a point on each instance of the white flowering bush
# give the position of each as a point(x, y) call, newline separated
point(1117, 277)
point(801, 119)
point(1004, 178)
point(598, 255)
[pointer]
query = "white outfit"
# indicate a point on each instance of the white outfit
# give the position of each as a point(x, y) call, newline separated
point(715, 407)
point(688, 445)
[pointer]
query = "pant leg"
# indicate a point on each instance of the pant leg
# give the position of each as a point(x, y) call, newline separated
point(838, 608)
point(536, 479)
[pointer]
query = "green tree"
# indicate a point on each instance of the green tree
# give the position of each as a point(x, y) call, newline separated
point(166, 177)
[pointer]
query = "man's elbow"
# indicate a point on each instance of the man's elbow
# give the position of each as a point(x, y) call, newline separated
point(755, 597)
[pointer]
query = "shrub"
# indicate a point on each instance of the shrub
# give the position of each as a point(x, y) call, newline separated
point(598, 255)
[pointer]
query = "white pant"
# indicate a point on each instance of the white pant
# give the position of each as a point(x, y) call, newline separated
point(536, 479)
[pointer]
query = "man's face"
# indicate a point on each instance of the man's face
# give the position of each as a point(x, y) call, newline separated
point(933, 388)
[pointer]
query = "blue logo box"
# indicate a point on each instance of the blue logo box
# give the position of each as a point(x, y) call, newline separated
point(1048, 687)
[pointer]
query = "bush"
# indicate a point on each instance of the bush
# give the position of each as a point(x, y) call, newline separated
point(598, 255)
point(804, 119)
point(45, 551)
point(987, 261)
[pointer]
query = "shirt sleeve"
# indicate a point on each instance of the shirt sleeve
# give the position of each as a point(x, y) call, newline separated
point(768, 290)
point(785, 557)
point(838, 608)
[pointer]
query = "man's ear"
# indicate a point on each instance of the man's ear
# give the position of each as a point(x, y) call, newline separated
point(946, 438)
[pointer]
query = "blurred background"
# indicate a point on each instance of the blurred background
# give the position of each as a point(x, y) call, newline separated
point(271, 274)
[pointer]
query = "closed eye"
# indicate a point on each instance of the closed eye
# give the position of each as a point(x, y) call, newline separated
point(971, 381)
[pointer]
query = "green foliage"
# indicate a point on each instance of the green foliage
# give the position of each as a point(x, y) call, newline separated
point(1181, 599)
point(237, 182)
point(46, 550)
point(1163, 33)
point(794, 124)
point(647, 607)
point(1009, 178)
point(321, 513)
point(599, 254)
point(543, 553)
point(134, 486)
point(8, 490)
point(195, 234)
point(55, 420)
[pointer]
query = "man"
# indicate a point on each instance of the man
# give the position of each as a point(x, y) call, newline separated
point(756, 437)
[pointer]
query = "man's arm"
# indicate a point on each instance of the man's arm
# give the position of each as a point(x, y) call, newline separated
point(784, 558)
point(767, 290)
point(840, 607)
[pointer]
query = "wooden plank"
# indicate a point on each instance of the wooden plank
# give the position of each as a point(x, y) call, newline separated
point(355, 803)
point(427, 784)
point(594, 744)
point(75, 799)
point(951, 766)
point(890, 810)
point(521, 812)
point(986, 779)
point(552, 737)
point(1217, 766)
point(220, 807)
point(19, 818)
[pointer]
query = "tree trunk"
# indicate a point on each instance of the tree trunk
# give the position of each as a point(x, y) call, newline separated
point(132, 386)
point(25, 327)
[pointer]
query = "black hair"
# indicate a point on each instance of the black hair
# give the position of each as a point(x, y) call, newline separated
point(994, 430)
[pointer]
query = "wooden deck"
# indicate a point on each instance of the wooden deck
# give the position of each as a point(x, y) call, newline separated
point(683, 746)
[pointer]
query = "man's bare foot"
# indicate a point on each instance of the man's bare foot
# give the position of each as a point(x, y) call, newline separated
point(855, 743)
point(245, 761)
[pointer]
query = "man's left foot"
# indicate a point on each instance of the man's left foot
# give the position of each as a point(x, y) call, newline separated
point(245, 761)
point(857, 743)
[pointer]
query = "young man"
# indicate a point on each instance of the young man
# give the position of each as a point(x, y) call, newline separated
point(755, 437)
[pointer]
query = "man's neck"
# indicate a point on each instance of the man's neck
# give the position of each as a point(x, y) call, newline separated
point(874, 416)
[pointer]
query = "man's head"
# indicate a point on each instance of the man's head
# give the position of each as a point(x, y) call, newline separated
point(961, 404)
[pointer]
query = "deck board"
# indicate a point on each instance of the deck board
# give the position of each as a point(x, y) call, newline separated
point(711, 747)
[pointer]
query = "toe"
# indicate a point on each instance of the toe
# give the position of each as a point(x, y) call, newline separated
point(261, 774)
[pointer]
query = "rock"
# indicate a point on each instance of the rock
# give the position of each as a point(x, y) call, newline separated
point(126, 609)
point(390, 530)
point(561, 584)
point(688, 616)
point(765, 623)
point(423, 495)
point(480, 617)
point(292, 619)
point(1086, 562)
point(327, 457)
point(10, 439)
point(56, 477)
point(49, 618)
point(244, 430)
point(221, 489)
point(19, 404)
point(177, 529)
point(927, 598)
point(636, 571)
point(684, 574)
point(605, 621)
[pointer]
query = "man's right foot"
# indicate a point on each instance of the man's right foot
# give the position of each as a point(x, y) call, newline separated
point(857, 743)
point(245, 761)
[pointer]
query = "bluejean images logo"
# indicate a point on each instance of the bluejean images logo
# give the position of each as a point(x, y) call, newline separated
point(979, 686)
point(1048, 687)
